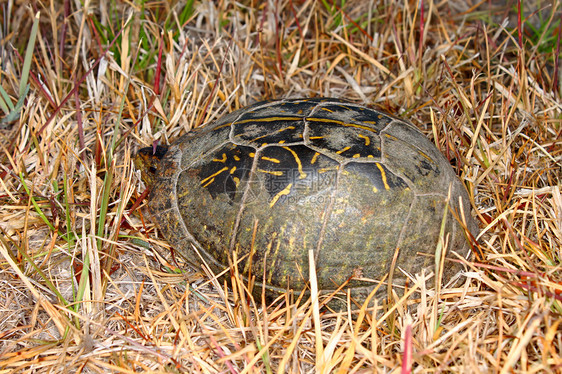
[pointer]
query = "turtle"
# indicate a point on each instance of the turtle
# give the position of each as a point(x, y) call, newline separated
point(365, 192)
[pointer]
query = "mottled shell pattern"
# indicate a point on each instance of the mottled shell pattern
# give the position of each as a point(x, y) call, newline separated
point(364, 190)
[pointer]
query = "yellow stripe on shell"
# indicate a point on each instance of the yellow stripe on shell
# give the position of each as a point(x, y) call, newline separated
point(223, 159)
point(263, 136)
point(343, 150)
point(283, 192)
point(367, 139)
point(211, 177)
point(302, 174)
point(269, 119)
point(223, 126)
point(208, 182)
point(271, 159)
point(426, 156)
point(314, 119)
point(272, 172)
point(383, 176)
point(332, 168)
point(314, 158)
point(275, 256)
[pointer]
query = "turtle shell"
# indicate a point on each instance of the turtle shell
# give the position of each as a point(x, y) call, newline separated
point(364, 190)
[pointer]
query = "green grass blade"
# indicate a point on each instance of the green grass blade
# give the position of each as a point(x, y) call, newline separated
point(28, 56)
point(35, 205)
point(30, 261)
point(5, 101)
point(15, 113)
point(69, 235)
point(84, 275)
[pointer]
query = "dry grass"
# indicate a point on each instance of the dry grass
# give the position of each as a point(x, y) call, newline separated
point(86, 285)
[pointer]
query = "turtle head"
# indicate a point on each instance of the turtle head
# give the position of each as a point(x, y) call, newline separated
point(147, 160)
